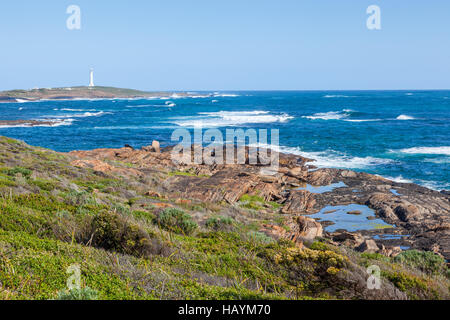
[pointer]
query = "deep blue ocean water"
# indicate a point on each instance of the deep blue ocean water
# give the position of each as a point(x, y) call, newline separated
point(402, 135)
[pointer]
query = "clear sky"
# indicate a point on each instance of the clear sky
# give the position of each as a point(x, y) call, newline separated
point(226, 45)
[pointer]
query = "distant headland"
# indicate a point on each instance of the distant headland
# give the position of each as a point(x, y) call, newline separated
point(80, 92)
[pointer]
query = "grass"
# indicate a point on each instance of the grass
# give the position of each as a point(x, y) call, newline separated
point(255, 202)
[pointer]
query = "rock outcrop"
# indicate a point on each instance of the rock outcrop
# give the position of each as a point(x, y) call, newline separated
point(417, 212)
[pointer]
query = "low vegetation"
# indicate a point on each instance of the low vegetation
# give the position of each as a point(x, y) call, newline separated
point(132, 246)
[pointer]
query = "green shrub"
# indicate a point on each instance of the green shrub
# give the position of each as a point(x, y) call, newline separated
point(425, 261)
point(78, 294)
point(374, 256)
point(143, 215)
point(76, 198)
point(45, 185)
point(113, 232)
point(177, 221)
point(415, 287)
point(23, 171)
point(317, 245)
point(259, 237)
point(219, 223)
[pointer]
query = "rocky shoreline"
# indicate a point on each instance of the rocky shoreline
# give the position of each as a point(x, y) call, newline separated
point(29, 123)
point(414, 217)
point(78, 93)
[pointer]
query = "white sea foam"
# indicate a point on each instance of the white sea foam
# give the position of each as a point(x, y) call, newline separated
point(433, 185)
point(444, 160)
point(170, 104)
point(332, 159)
point(338, 115)
point(362, 120)
point(230, 118)
point(225, 95)
point(427, 150)
point(131, 127)
point(398, 179)
point(79, 115)
point(437, 186)
point(336, 96)
point(404, 117)
point(78, 110)
point(331, 115)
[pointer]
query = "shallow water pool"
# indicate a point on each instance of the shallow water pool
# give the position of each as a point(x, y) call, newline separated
point(323, 189)
point(350, 222)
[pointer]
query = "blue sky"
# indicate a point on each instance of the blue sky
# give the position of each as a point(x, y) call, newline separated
point(226, 45)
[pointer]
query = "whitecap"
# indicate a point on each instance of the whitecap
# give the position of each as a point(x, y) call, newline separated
point(230, 118)
point(445, 160)
point(78, 115)
point(336, 96)
point(404, 117)
point(78, 110)
point(331, 158)
point(225, 95)
point(398, 179)
point(331, 115)
point(362, 120)
point(427, 150)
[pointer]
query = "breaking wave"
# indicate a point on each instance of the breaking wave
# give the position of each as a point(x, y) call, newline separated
point(231, 118)
point(78, 115)
point(427, 150)
point(404, 117)
point(331, 158)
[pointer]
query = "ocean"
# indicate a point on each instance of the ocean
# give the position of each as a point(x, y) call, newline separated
point(400, 135)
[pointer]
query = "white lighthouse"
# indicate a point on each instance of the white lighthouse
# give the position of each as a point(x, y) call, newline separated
point(91, 78)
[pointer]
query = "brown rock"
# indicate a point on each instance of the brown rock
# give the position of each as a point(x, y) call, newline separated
point(297, 172)
point(348, 238)
point(269, 179)
point(278, 232)
point(390, 251)
point(369, 246)
point(148, 149)
point(183, 201)
point(406, 212)
point(307, 228)
point(153, 194)
point(156, 146)
point(299, 202)
point(162, 205)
